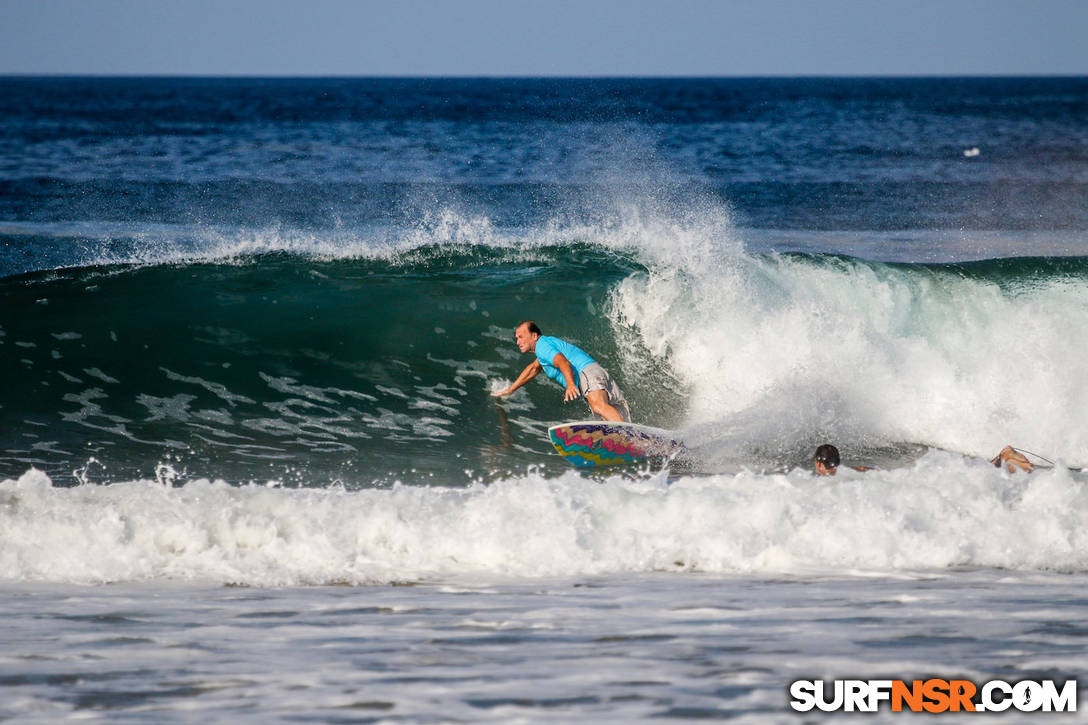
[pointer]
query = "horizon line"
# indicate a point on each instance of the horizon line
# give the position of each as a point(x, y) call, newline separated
point(473, 76)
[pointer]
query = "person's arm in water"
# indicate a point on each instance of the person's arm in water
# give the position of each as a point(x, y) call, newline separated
point(564, 366)
point(1013, 460)
point(534, 368)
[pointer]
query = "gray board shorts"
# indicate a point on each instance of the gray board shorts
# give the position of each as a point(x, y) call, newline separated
point(594, 377)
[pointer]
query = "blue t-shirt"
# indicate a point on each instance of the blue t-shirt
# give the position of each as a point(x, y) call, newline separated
point(546, 349)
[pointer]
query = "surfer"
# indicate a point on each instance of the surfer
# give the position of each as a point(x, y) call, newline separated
point(571, 367)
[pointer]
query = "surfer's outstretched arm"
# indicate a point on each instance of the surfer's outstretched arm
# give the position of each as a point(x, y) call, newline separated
point(531, 371)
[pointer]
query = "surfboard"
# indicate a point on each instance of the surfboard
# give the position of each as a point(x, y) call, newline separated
point(602, 443)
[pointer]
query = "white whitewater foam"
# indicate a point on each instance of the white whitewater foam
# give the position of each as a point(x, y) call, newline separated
point(851, 349)
point(946, 511)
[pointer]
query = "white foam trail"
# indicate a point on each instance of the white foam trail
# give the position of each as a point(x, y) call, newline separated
point(947, 511)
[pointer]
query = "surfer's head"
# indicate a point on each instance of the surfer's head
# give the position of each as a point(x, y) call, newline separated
point(525, 335)
point(826, 460)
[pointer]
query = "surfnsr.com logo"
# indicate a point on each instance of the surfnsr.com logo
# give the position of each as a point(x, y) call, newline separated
point(933, 695)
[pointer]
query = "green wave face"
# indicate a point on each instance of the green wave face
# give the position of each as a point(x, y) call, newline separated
point(281, 367)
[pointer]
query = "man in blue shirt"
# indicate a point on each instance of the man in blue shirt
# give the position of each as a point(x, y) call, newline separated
point(572, 368)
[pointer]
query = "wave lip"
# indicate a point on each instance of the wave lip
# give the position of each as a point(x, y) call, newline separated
point(946, 512)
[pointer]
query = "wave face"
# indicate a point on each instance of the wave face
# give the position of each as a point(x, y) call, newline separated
point(374, 365)
point(293, 367)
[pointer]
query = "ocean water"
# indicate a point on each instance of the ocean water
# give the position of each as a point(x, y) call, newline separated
point(250, 467)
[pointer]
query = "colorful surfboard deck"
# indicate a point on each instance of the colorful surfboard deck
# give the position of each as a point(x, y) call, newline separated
point(600, 443)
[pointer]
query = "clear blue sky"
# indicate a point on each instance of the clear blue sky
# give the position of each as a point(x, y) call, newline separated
point(545, 37)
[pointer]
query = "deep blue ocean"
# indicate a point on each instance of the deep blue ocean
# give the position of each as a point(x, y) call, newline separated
point(249, 328)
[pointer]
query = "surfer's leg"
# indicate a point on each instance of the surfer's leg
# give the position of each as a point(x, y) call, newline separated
point(610, 404)
point(598, 403)
point(624, 411)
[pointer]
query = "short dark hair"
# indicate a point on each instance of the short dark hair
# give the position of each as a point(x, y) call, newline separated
point(532, 327)
point(828, 455)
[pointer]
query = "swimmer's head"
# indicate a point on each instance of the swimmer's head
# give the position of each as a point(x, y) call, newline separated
point(826, 460)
